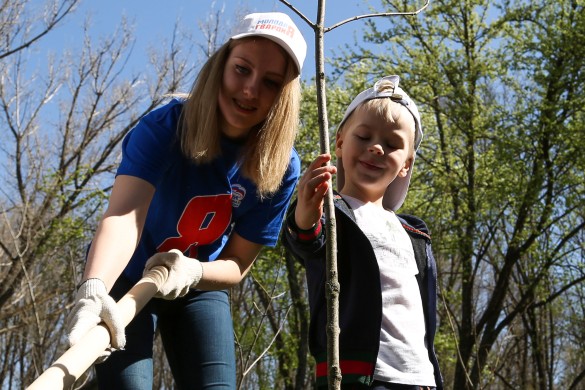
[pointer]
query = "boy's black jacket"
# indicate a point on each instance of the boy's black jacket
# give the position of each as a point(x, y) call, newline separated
point(360, 299)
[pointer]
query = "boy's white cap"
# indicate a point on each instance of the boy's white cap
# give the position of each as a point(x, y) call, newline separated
point(396, 191)
point(277, 27)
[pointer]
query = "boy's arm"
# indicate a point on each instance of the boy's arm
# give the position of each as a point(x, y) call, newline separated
point(303, 233)
point(312, 187)
point(305, 245)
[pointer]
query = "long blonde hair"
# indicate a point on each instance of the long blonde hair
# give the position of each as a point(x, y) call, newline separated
point(266, 154)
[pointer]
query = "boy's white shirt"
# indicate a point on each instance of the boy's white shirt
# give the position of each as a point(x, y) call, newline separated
point(403, 355)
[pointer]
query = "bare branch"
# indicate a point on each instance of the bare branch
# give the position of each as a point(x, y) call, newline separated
point(269, 345)
point(376, 15)
point(298, 12)
point(61, 12)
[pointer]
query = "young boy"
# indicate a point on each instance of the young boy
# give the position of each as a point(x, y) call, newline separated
point(386, 269)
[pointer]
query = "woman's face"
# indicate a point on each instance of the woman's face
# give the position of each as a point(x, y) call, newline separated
point(252, 79)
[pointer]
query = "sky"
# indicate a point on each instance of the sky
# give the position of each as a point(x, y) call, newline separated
point(153, 20)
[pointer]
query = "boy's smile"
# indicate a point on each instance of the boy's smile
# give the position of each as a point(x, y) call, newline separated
point(374, 152)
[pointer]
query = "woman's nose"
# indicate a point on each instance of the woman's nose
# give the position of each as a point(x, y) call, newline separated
point(251, 89)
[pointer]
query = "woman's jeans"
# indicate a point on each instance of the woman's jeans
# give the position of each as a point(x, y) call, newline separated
point(197, 334)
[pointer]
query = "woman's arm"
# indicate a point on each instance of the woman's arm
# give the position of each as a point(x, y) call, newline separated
point(231, 266)
point(228, 270)
point(119, 231)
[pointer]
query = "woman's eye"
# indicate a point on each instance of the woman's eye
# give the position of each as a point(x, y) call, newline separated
point(273, 84)
point(241, 69)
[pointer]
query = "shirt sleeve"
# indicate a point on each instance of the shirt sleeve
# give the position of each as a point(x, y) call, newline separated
point(151, 146)
point(262, 224)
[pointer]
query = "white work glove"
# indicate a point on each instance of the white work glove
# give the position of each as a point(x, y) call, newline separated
point(93, 305)
point(184, 273)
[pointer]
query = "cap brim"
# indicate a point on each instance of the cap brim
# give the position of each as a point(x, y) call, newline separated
point(274, 39)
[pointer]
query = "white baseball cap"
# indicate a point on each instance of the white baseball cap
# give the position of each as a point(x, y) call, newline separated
point(277, 27)
point(396, 191)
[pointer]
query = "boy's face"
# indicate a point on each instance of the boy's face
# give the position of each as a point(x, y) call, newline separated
point(374, 152)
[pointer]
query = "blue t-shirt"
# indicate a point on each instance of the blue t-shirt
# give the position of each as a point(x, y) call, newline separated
point(196, 207)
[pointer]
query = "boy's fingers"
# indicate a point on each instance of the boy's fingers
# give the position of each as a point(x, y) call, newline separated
point(321, 190)
point(319, 172)
point(313, 178)
point(315, 182)
point(320, 160)
point(316, 174)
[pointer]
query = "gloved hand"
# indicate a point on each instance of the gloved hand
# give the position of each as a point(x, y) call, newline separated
point(184, 273)
point(93, 305)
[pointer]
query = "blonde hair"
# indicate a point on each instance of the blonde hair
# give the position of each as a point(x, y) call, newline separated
point(266, 154)
point(385, 108)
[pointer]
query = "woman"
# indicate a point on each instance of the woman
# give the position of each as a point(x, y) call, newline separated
point(203, 184)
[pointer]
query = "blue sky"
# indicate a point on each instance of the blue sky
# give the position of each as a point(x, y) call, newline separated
point(153, 20)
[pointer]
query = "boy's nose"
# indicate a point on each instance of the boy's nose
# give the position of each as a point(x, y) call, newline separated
point(377, 149)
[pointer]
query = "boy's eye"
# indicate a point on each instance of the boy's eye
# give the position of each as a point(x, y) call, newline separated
point(395, 144)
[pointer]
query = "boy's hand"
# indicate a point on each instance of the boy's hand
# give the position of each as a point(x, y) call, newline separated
point(311, 188)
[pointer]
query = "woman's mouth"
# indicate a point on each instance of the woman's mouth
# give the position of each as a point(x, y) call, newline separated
point(243, 106)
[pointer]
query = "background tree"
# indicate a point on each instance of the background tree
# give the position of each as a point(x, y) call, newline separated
point(66, 137)
point(61, 129)
point(499, 179)
point(22, 25)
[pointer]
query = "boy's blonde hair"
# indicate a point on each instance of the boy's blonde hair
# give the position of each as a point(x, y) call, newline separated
point(266, 154)
point(381, 98)
point(391, 112)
